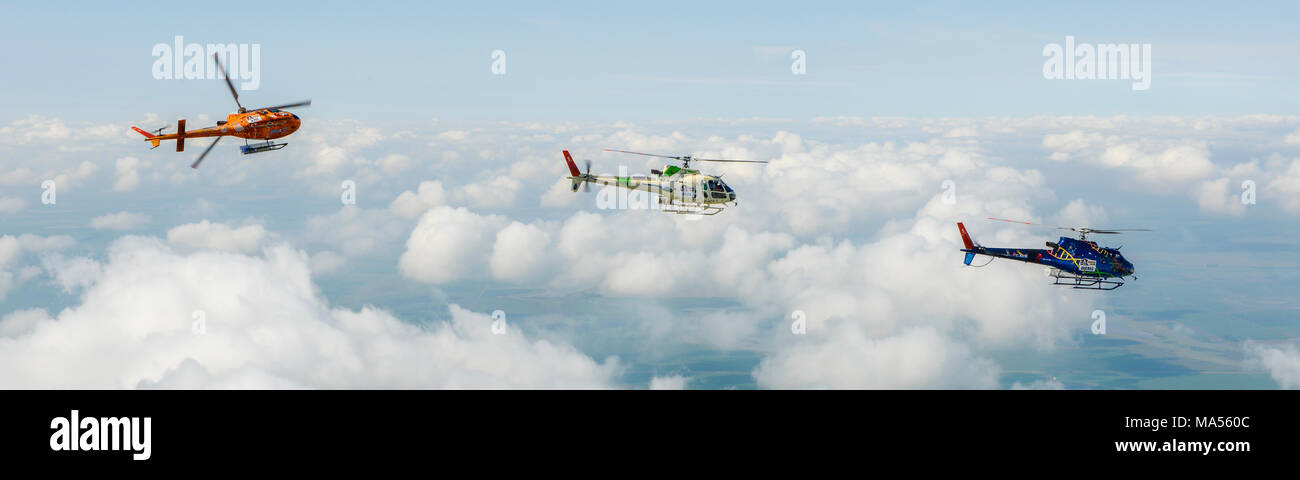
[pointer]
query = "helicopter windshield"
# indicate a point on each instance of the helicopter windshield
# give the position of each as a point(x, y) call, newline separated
point(718, 189)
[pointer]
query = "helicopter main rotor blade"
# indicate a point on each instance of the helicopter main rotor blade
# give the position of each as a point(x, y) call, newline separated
point(304, 103)
point(1083, 230)
point(1028, 223)
point(1119, 230)
point(225, 75)
point(205, 153)
point(728, 161)
point(646, 154)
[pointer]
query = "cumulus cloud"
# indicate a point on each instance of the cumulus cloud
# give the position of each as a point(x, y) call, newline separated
point(1293, 138)
point(12, 249)
point(217, 236)
point(519, 253)
point(448, 244)
point(916, 358)
point(356, 231)
point(223, 320)
point(1282, 362)
point(413, 204)
point(1049, 384)
point(849, 231)
point(497, 192)
point(128, 174)
point(119, 221)
point(1216, 196)
point(670, 382)
point(326, 262)
point(1285, 188)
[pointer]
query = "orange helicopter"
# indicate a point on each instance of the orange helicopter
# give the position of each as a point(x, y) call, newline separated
point(267, 123)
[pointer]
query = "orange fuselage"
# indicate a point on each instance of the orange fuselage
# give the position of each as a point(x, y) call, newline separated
point(254, 125)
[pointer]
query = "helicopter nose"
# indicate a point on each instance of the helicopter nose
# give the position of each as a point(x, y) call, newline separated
point(731, 196)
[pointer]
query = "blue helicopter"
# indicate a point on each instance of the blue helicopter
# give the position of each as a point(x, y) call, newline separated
point(1077, 263)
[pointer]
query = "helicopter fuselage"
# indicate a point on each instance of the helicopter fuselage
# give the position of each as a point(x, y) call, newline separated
point(681, 187)
point(1079, 257)
point(674, 185)
point(254, 125)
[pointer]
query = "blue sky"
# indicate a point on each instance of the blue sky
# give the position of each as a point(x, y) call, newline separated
point(462, 210)
point(638, 60)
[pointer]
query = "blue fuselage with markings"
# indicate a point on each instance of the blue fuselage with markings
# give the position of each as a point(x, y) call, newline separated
point(1080, 257)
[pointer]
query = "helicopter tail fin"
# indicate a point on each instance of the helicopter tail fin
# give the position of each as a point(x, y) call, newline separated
point(180, 135)
point(574, 173)
point(965, 238)
point(153, 139)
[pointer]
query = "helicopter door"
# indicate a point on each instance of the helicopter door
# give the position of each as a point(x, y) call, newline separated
point(687, 190)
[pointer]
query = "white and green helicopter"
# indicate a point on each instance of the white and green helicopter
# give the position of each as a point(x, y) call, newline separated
point(681, 190)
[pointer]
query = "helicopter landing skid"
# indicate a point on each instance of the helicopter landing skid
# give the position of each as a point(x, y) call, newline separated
point(690, 209)
point(1082, 282)
point(261, 147)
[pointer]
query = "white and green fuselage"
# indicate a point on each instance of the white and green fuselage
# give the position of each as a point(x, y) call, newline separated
point(674, 185)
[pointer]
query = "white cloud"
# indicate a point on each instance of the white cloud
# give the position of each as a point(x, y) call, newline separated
point(1050, 384)
point(448, 244)
point(12, 204)
point(1077, 213)
point(6, 283)
point(119, 221)
point(128, 174)
point(1216, 196)
point(21, 322)
point(264, 326)
point(559, 195)
point(217, 236)
point(72, 273)
point(1285, 188)
point(326, 262)
point(495, 193)
point(520, 252)
point(12, 249)
point(1282, 362)
point(394, 163)
point(916, 358)
point(413, 204)
point(670, 382)
point(1160, 164)
point(356, 231)
point(1293, 138)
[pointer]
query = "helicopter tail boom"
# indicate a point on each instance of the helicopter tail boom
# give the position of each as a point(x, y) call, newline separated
point(153, 139)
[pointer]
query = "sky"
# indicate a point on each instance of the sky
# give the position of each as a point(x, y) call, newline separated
point(466, 262)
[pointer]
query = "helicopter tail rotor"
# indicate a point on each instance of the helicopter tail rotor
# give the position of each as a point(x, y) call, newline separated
point(586, 185)
point(574, 174)
point(151, 137)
